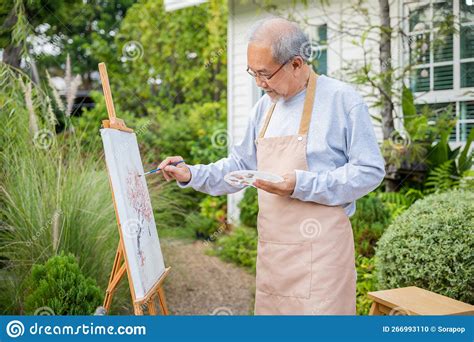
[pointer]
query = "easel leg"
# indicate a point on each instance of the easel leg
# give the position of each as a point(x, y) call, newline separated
point(161, 298)
point(112, 281)
point(138, 309)
point(118, 270)
point(152, 307)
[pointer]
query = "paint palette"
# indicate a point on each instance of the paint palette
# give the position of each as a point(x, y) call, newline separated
point(244, 178)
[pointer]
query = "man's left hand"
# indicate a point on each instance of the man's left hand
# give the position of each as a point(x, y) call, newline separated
point(284, 188)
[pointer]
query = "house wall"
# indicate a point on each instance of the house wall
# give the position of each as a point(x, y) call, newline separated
point(342, 53)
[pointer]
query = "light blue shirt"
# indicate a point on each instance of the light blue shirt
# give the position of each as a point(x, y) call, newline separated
point(344, 159)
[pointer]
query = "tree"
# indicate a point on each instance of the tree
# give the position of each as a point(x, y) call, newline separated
point(385, 58)
point(169, 59)
point(88, 37)
point(20, 18)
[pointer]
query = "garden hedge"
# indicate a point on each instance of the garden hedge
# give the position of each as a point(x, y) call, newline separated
point(431, 246)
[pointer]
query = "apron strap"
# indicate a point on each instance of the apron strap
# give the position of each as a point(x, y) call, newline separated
point(267, 120)
point(307, 109)
point(308, 104)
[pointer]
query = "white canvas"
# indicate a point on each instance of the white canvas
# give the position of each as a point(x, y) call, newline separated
point(133, 205)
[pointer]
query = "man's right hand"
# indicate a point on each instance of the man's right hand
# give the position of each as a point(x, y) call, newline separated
point(179, 172)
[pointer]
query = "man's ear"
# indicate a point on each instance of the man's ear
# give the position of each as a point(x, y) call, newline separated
point(297, 62)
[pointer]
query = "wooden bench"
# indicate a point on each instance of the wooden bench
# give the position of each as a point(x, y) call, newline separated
point(413, 300)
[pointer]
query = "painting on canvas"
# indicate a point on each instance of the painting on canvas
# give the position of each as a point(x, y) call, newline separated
point(133, 206)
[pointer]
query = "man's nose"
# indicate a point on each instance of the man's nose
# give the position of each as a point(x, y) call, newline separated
point(260, 83)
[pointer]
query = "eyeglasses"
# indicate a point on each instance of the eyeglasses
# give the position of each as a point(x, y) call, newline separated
point(263, 77)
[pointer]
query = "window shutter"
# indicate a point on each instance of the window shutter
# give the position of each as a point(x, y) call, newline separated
point(443, 77)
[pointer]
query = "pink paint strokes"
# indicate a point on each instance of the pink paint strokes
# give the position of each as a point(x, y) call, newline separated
point(139, 200)
point(138, 195)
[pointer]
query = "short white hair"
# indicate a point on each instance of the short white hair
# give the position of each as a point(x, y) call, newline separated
point(285, 37)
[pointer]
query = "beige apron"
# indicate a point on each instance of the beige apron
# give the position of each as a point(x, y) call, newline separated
point(305, 260)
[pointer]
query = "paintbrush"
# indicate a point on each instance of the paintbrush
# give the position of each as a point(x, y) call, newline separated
point(158, 169)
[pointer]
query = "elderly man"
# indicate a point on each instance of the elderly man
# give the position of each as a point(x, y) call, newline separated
point(315, 132)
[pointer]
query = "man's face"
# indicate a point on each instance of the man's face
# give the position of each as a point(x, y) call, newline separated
point(260, 61)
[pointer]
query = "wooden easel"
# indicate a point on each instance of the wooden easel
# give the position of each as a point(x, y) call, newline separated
point(121, 266)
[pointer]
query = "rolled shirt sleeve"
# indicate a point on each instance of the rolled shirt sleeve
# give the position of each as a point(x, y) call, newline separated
point(363, 172)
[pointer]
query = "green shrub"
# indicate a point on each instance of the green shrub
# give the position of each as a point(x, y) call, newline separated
point(210, 139)
point(239, 247)
point(53, 196)
point(249, 207)
point(397, 202)
point(370, 209)
point(366, 282)
point(196, 132)
point(171, 206)
point(59, 285)
point(88, 124)
point(203, 227)
point(214, 207)
point(430, 246)
point(368, 223)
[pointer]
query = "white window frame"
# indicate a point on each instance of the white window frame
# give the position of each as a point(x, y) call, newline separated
point(455, 95)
